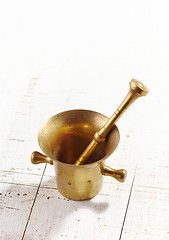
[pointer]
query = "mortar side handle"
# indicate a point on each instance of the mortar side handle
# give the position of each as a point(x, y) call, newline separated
point(38, 157)
point(120, 174)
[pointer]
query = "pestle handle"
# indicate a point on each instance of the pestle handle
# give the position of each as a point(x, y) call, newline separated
point(136, 90)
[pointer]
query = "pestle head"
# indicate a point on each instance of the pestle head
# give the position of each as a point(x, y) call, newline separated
point(138, 87)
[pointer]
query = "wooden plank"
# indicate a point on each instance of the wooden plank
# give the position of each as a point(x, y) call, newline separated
point(20, 178)
point(148, 214)
point(148, 211)
point(15, 205)
point(54, 216)
point(18, 183)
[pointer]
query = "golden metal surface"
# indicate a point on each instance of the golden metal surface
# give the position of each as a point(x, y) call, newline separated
point(37, 158)
point(119, 175)
point(137, 89)
point(63, 138)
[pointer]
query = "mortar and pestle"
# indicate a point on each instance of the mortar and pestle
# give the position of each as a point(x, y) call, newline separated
point(77, 143)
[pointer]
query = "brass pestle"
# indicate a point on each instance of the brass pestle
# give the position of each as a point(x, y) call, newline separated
point(137, 89)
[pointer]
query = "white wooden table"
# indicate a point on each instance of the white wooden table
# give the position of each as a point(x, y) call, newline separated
point(61, 55)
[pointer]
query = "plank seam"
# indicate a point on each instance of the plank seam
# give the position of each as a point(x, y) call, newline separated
point(33, 203)
point(127, 204)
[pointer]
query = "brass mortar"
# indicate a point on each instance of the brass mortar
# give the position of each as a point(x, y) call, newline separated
point(68, 135)
point(63, 138)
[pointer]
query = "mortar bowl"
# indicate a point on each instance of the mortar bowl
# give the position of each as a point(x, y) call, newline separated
point(63, 138)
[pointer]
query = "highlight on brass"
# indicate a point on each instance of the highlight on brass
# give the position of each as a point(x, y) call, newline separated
point(68, 135)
